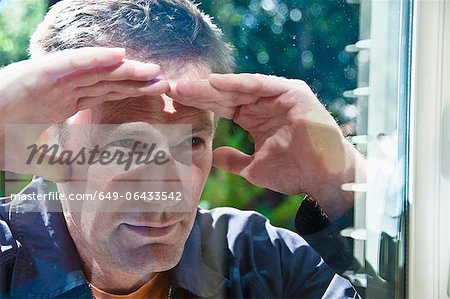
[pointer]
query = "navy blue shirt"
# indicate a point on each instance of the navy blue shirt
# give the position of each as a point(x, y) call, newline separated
point(228, 254)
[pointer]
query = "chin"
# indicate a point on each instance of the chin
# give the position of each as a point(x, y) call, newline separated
point(149, 258)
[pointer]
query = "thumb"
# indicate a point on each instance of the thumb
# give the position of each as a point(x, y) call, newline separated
point(44, 167)
point(231, 160)
point(55, 172)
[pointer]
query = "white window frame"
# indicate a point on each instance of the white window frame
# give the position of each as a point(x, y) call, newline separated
point(429, 209)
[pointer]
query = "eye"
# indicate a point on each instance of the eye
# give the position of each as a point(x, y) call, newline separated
point(193, 142)
point(197, 142)
point(125, 143)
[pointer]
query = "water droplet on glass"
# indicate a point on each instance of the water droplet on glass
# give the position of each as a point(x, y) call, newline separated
point(295, 15)
point(263, 57)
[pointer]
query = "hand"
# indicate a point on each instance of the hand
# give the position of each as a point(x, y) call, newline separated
point(51, 88)
point(299, 148)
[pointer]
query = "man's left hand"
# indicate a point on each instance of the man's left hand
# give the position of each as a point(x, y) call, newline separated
point(299, 148)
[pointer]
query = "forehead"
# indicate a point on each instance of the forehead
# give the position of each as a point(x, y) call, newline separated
point(153, 109)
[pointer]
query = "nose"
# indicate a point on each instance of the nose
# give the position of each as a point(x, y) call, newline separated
point(149, 168)
point(155, 187)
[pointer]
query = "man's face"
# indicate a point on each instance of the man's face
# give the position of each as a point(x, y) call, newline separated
point(150, 240)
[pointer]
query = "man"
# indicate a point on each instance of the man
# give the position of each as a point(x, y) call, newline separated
point(174, 69)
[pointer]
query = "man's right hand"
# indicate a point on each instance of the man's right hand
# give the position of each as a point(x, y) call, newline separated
point(51, 88)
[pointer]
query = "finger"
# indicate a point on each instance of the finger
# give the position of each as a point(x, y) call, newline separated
point(202, 91)
point(58, 173)
point(257, 84)
point(44, 166)
point(198, 89)
point(69, 61)
point(90, 102)
point(125, 70)
point(130, 88)
point(201, 95)
point(231, 160)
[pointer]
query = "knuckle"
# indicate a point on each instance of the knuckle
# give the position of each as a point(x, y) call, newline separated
point(107, 97)
point(232, 113)
point(128, 70)
point(95, 76)
point(28, 86)
point(110, 96)
point(74, 63)
point(237, 84)
point(80, 104)
point(46, 71)
point(259, 76)
point(259, 81)
point(66, 83)
point(301, 83)
point(104, 88)
point(79, 92)
point(135, 89)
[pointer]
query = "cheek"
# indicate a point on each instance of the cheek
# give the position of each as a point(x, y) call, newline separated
point(87, 224)
point(91, 227)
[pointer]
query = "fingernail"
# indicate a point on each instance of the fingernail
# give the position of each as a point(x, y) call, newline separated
point(157, 82)
point(148, 67)
point(153, 82)
point(142, 66)
point(146, 71)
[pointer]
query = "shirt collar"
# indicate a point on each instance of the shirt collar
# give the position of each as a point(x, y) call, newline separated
point(193, 273)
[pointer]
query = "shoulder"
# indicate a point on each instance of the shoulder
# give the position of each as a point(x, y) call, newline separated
point(8, 250)
point(239, 226)
point(8, 242)
point(273, 260)
point(13, 218)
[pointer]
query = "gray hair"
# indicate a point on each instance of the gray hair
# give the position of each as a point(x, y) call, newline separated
point(166, 32)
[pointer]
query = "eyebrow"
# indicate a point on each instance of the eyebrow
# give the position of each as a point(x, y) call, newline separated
point(200, 123)
point(205, 125)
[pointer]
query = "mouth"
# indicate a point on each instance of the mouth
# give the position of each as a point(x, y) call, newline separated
point(156, 230)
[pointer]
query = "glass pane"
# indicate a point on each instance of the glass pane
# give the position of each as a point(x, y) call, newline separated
point(355, 56)
point(383, 130)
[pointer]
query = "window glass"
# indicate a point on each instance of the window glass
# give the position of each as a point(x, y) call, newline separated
point(304, 39)
point(355, 56)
